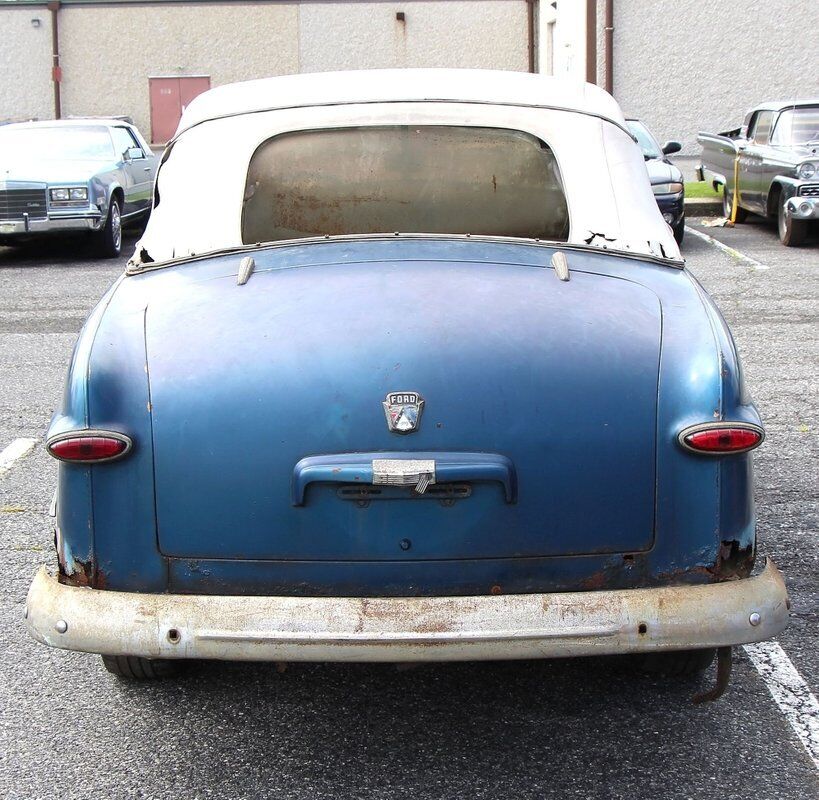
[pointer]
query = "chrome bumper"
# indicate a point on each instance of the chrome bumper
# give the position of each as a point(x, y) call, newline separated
point(802, 207)
point(31, 227)
point(406, 628)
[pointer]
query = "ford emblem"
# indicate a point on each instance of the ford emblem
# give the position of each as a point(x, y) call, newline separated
point(403, 411)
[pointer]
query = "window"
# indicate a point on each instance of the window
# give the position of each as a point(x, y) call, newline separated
point(57, 142)
point(648, 144)
point(410, 179)
point(797, 126)
point(761, 132)
point(123, 140)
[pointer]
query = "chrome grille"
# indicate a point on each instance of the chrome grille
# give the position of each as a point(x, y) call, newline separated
point(16, 202)
point(811, 190)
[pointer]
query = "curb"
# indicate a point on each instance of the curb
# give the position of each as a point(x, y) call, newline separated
point(703, 207)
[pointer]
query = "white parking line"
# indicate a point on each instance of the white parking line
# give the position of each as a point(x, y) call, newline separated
point(791, 693)
point(15, 451)
point(725, 249)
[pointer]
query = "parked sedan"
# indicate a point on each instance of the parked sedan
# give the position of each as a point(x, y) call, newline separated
point(666, 178)
point(65, 176)
point(381, 384)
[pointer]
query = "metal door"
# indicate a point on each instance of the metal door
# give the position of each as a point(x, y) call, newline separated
point(169, 98)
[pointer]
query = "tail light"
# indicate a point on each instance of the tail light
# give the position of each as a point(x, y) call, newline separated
point(719, 438)
point(88, 447)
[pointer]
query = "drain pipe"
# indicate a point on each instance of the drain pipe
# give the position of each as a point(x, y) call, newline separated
point(609, 51)
point(591, 41)
point(56, 70)
point(530, 23)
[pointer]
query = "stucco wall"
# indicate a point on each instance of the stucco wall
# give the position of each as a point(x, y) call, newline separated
point(699, 65)
point(490, 34)
point(108, 53)
point(25, 64)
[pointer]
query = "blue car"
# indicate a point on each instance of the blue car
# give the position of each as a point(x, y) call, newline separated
point(382, 385)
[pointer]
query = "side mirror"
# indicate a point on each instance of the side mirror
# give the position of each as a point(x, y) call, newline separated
point(671, 147)
point(133, 153)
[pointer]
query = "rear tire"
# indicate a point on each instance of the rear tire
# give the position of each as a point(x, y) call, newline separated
point(676, 662)
point(679, 230)
point(109, 238)
point(135, 668)
point(727, 206)
point(792, 232)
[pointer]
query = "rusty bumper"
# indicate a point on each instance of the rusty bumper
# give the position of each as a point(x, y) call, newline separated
point(406, 628)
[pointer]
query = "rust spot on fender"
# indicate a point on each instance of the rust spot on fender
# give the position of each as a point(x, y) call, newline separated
point(85, 573)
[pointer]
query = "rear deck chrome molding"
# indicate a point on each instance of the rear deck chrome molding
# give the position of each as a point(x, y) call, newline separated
point(559, 624)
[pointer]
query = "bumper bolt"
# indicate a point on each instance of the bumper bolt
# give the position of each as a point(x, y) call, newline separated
point(61, 626)
point(755, 619)
point(405, 544)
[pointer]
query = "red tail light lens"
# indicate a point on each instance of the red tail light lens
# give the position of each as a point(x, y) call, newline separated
point(718, 438)
point(89, 447)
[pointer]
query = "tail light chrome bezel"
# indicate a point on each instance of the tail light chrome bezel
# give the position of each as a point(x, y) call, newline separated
point(90, 433)
point(725, 425)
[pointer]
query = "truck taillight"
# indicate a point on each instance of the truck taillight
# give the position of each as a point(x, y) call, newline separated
point(88, 447)
point(717, 438)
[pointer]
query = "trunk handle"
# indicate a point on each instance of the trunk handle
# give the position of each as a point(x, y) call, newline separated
point(449, 468)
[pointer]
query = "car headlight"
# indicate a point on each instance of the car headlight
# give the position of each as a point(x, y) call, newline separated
point(666, 188)
point(806, 171)
point(69, 193)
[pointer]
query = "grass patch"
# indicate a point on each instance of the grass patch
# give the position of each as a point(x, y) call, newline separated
point(701, 189)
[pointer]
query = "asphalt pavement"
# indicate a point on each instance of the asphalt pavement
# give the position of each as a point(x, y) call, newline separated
point(551, 729)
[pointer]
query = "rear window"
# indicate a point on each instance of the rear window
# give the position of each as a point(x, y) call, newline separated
point(408, 179)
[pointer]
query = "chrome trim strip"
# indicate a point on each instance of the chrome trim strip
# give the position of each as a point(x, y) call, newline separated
point(413, 101)
point(138, 269)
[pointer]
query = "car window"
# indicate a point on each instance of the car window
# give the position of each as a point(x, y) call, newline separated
point(648, 144)
point(123, 140)
point(57, 142)
point(761, 132)
point(797, 126)
point(412, 179)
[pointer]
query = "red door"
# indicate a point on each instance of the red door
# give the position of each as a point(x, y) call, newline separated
point(169, 98)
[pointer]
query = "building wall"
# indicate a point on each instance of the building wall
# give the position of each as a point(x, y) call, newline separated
point(25, 64)
point(562, 39)
point(489, 34)
point(109, 51)
point(699, 65)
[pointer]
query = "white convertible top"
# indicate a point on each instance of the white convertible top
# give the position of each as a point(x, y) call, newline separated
point(201, 183)
point(493, 87)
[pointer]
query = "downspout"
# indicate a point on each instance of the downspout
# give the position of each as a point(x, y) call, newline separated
point(56, 70)
point(609, 52)
point(530, 23)
point(591, 41)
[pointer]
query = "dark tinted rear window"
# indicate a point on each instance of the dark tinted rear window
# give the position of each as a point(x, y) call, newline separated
point(412, 179)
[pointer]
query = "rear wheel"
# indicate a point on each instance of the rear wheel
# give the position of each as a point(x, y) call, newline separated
point(679, 230)
point(109, 239)
point(728, 204)
point(676, 662)
point(136, 668)
point(792, 232)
